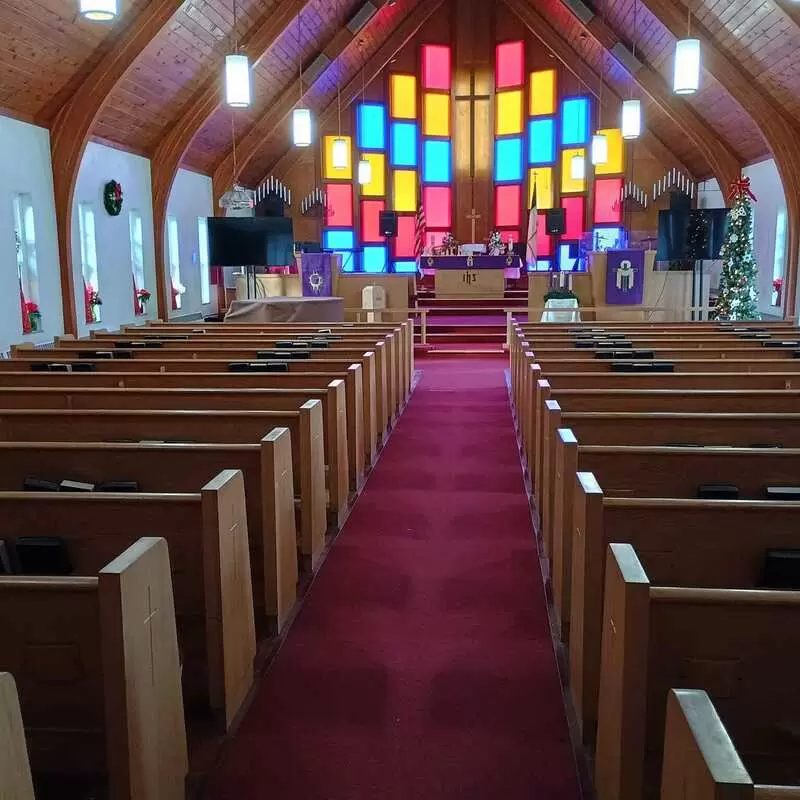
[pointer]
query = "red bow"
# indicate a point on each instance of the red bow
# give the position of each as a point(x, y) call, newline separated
point(741, 188)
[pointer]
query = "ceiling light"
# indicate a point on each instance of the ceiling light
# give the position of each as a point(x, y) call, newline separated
point(301, 127)
point(99, 10)
point(599, 149)
point(631, 119)
point(364, 172)
point(340, 153)
point(686, 78)
point(237, 80)
point(577, 168)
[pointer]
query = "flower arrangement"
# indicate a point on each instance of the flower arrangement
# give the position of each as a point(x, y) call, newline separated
point(449, 244)
point(142, 297)
point(34, 316)
point(495, 243)
point(94, 298)
point(777, 284)
point(92, 303)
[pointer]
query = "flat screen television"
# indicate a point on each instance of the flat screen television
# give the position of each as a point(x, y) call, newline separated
point(250, 241)
point(675, 227)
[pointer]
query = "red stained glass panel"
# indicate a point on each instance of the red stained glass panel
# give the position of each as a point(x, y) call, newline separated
point(438, 210)
point(370, 220)
point(436, 67)
point(607, 202)
point(574, 208)
point(339, 211)
point(507, 206)
point(510, 66)
point(404, 244)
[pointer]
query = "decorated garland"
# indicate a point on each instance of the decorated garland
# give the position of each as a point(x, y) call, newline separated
point(112, 198)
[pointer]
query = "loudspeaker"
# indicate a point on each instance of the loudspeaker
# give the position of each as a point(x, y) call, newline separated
point(388, 224)
point(555, 222)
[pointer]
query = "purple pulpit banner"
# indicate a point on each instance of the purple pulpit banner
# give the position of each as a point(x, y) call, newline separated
point(317, 274)
point(625, 277)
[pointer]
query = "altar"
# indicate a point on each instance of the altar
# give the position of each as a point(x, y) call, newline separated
point(471, 275)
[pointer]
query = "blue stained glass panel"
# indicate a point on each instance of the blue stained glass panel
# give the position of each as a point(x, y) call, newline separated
point(575, 121)
point(405, 266)
point(508, 160)
point(436, 161)
point(404, 144)
point(541, 265)
point(372, 126)
point(374, 259)
point(339, 240)
point(541, 141)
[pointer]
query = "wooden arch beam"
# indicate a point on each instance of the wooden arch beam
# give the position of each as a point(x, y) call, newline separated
point(206, 101)
point(73, 124)
point(392, 45)
point(781, 133)
point(572, 61)
point(724, 163)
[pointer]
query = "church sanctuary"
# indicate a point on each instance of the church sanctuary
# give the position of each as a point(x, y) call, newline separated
point(398, 400)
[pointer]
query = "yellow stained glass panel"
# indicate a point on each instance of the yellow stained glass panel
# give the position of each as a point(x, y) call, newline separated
point(568, 183)
point(403, 96)
point(404, 190)
point(377, 186)
point(543, 93)
point(543, 177)
point(615, 165)
point(436, 114)
point(330, 173)
point(509, 113)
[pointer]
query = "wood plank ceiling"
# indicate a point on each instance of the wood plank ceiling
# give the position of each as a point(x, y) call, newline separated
point(46, 49)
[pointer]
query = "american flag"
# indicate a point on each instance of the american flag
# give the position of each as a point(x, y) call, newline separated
point(420, 227)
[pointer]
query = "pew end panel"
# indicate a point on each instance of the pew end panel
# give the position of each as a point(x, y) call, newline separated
point(279, 530)
point(354, 429)
point(700, 760)
point(15, 771)
point(230, 626)
point(146, 736)
point(566, 467)
point(541, 395)
point(313, 503)
point(586, 576)
point(552, 422)
point(621, 732)
point(336, 446)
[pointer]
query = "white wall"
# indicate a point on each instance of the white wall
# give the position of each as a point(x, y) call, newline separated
point(191, 197)
point(765, 183)
point(25, 168)
point(101, 164)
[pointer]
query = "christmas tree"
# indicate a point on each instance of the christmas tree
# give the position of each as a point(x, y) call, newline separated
point(738, 292)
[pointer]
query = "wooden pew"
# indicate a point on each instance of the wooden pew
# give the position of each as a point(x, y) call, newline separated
point(180, 468)
point(700, 759)
point(230, 427)
point(223, 380)
point(97, 667)
point(15, 771)
point(208, 540)
point(625, 471)
point(339, 475)
point(710, 542)
point(742, 647)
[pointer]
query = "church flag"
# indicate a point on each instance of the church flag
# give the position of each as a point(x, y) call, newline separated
point(625, 277)
point(530, 256)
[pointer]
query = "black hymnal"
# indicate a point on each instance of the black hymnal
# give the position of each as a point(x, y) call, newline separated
point(123, 354)
point(52, 367)
point(5, 559)
point(796, 354)
point(118, 487)
point(782, 492)
point(284, 354)
point(152, 343)
point(40, 485)
point(83, 366)
point(95, 354)
point(40, 366)
point(613, 343)
point(586, 344)
point(718, 491)
point(259, 366)
point(320, 344)
point(780, 343)
point(781, 570)
point(642, 366)
point(42, 555)
point(75, 486)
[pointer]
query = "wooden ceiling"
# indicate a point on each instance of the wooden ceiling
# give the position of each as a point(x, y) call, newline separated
point(46, 50)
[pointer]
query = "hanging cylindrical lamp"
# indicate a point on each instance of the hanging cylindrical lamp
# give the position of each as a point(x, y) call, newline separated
point(237, 80)
point(301, 117)
point(686, 77)
point(577, 168)
point(631, 119)
point(99, 10)
point(364, 172)
point(599, 149)
point(341, 153)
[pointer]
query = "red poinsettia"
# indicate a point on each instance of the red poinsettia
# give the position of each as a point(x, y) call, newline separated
point(143, 295)
point(777, 284)
point(31, 308)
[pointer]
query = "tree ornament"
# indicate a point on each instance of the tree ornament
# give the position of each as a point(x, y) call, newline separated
point(112, 198)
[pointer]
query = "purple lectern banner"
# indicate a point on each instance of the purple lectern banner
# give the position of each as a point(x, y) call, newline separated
point(625, 278)
point(317, 274)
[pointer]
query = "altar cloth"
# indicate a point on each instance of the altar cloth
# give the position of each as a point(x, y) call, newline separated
point(510, 264)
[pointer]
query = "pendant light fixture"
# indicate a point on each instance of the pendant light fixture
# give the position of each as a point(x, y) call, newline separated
point(686, 75)
point(364, 166)
point(237, 73)
point(99, 10)
point(632, 109)
point(301, 117)
point(577, 168)
point(340, 154)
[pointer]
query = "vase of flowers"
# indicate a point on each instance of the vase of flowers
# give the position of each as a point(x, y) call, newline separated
point(494, 244)
point(143, 297)
point(777, 287)
point(34, 316)
point(94, 305)
point(449, 246)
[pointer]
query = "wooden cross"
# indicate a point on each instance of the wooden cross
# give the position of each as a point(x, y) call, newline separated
point(151, 613)
point(473, 218)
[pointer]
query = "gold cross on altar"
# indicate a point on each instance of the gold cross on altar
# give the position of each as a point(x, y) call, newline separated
point(473, 218)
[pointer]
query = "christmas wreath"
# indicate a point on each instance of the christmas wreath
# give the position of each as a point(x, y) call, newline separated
point(112, 198)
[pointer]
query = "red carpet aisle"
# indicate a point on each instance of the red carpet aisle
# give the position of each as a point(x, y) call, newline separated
point(421, 666)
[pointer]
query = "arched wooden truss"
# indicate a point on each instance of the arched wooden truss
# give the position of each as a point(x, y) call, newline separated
point(781, 133)
point(70, 133)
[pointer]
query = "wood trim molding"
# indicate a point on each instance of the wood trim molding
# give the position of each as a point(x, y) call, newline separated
point(781, 132)
point(790, 8)
point(572, 61)
point(172, 148)
point(722, 160)
point(392, 45)
point(73, 124)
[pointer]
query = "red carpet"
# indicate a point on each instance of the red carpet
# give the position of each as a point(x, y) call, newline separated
point(421, 666)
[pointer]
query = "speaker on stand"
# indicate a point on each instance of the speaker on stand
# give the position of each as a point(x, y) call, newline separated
point(387, 221)
point(555, 225)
